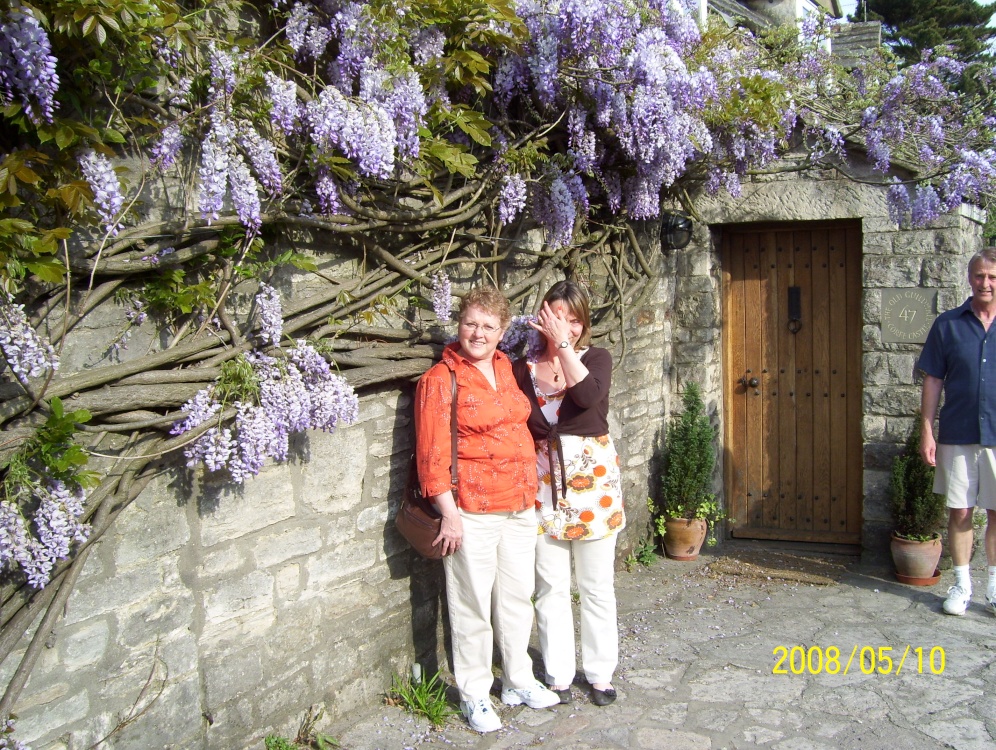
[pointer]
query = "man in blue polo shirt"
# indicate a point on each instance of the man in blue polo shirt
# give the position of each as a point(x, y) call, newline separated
point(960, 358)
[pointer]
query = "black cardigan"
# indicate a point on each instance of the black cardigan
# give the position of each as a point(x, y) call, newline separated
point(585, 409)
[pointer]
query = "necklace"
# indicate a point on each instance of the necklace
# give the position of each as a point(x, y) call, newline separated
point(554, 370)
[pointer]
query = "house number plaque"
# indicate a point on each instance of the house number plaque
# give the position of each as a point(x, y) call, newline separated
point(907, 315)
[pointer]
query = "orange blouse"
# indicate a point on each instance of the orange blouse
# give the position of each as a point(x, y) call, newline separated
point(496, 460)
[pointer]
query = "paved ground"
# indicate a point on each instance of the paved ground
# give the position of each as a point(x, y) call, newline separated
point(700, 643)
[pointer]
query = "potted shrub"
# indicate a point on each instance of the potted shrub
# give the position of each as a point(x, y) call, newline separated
point(689, 511)
point(916, 543)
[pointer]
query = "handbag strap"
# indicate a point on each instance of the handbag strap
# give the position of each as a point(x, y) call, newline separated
point(453, 429)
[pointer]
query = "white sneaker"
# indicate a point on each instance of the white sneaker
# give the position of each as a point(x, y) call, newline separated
point(991, 602)
point(957, 601)
point(534, 696)
point(481, 715)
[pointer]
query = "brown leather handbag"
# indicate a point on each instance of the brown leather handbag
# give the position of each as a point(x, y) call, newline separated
point(418, 520)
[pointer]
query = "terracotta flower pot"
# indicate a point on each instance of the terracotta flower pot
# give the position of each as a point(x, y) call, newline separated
point(683, 537)
point(916, 562)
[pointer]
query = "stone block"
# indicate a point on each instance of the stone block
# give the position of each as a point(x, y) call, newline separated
point(238, 674)
point(332, 481)
point(880, 455)
point(241, 510)
point(173, 721)
point(914, 242)
point(151, 526)
point(276, 548)
point(892, 271)
point(85, 645)
point(372, 519)
point(41, 724)
point(902, 367)
point(221, 562)
point(143, 624)
point(877, 505)
point(335, 567)
point(130, 587)
point(892, 400)
point(239, 608)
point(943, 271)
point(877, 243)
point(875, 368)
point(288, 582)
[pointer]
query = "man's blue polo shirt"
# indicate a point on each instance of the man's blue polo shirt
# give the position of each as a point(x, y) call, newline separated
point(960, 352)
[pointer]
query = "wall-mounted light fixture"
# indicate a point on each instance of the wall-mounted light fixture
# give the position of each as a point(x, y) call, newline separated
point(676, 230)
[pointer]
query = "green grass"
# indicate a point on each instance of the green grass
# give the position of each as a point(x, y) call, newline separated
point(426, 698)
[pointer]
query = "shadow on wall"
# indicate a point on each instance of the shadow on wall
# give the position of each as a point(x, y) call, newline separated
point(427, 586)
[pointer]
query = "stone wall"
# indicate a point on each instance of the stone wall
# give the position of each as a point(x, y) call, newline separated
point(214, 614)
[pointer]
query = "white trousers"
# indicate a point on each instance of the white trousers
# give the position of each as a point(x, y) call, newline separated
point(492, 576)
point(594, 570)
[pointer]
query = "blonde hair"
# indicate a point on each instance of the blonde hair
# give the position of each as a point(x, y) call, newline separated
point(489, 299)
point(576, 298)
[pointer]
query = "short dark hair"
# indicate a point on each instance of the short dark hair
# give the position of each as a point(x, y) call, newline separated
point(576, 298)
point(489, 299)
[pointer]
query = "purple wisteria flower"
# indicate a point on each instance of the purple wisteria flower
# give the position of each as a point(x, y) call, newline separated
point(521, 335)
point(262, 156)
point(442, 293)
point(57, 526)
point(214, 168)
point(223, 68)
point(296, 393)
point(271, 314)
point(163, 154)
point(898, 199)
point(364, 132)
point(196, 412)
point(283, 103)
point(27, 66)
point(26, 353)
point(106, 189)
point(512, 198)
point(245, 195)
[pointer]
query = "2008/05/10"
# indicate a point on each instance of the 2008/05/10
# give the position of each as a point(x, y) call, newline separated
point(816, 660)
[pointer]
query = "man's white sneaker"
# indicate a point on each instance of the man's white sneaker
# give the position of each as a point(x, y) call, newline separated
point(991, 602)
point(957, 601)
point(534, 696)
point(481, 715)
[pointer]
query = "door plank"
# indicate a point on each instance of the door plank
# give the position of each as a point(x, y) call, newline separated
point(855, 447)
point(839, 338)
point(787, 401)
point(822, 311)
point(752, 358)
point(768, 259)
point(736, 421)
point(802, 260)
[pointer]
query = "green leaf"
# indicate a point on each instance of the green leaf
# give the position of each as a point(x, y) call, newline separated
point(88, 25)
point(52, 270)
point(113, 136)
point(64, 137)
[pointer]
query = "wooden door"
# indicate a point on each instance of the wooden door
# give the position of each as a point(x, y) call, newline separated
point(792, 371)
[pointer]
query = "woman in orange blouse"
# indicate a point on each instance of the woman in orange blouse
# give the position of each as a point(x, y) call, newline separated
point(488, 533)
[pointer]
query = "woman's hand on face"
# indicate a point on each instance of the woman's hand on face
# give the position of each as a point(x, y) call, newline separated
point(450, 534)
point(553, 325)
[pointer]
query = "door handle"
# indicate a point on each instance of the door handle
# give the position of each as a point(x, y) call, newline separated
point(752, 383)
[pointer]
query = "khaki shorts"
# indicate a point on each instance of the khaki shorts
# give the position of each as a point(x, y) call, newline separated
point(966, 475)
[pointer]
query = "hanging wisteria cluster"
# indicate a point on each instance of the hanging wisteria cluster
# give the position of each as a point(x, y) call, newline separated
point(26, 353)
point(296, 392)
point(35, 547)
point(27, 65)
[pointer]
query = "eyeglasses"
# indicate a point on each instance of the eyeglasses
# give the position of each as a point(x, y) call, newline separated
point(485, 329)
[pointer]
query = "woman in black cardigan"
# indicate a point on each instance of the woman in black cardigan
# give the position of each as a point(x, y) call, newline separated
point(579, 502)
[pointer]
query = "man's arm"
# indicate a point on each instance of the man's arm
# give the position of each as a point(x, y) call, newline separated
point(929, 398)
